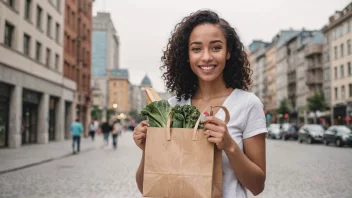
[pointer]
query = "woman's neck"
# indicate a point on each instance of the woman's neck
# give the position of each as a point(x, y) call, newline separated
point(211, 90)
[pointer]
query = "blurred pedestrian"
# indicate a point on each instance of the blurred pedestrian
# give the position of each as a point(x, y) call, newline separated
point(106, 128)
point(92, 129)
point(117, 130)
point(76, 129)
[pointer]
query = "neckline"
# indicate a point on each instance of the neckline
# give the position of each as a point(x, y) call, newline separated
point(189, 102)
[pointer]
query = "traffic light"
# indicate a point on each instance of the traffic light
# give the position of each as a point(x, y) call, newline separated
point(286, 115)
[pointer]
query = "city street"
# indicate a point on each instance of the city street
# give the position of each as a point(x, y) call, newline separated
point(293, 170)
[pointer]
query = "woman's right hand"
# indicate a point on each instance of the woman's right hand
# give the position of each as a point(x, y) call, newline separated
point(140, 133)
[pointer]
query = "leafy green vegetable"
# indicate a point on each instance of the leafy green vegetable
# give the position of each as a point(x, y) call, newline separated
point(178, 119)
point(156, 113)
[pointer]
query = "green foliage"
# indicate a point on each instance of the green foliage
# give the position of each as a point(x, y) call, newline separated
point(178, 119)
point(96, 113)
point(316, 102)
point(110, 113)
point(284, 107)
point(156, 113)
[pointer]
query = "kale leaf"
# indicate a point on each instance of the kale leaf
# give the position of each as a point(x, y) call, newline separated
point(156, 113)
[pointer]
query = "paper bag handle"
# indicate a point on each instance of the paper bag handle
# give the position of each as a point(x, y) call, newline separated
point(194, 137)
point(227, 119)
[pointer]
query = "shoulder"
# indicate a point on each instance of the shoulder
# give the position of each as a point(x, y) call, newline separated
point(248, 99)
point(173, 101)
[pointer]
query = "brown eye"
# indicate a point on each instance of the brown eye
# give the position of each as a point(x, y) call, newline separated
point(196, 49)
point(216, 48)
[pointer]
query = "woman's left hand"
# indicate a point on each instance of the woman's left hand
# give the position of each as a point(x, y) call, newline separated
point(216, 131)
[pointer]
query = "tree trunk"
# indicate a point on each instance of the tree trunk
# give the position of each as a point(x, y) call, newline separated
point(315, 117)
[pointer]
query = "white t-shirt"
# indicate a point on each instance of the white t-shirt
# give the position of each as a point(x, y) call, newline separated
point(247, 119)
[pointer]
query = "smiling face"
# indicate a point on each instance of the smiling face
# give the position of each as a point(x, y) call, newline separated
point(207, 52)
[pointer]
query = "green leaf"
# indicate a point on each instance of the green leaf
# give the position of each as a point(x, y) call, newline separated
point(156, 113)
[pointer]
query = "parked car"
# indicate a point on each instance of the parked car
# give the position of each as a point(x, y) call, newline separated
point(274, 131)
point(338, 134)
point(311, 133)
point(289, 131)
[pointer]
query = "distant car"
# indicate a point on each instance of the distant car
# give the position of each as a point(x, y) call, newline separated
point(274, 131)
point(311, 133)
point(338, 134)
point(289, 131)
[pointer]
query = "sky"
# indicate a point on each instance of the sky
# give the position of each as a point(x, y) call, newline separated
point(144, 26)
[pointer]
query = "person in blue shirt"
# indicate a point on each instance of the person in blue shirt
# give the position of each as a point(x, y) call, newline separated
point(76, 129)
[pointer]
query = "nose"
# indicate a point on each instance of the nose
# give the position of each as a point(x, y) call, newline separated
point(206, 56)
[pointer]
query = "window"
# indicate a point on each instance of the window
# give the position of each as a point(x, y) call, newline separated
point(73, 47)
point(342, 50)
point(335, 52)
point(56, 61)
point(350, 86)
point(48, 55)
point(343, 92)
point(335, 73)
point(58, 5)
point(39, 17)
point(73, 20)
point(48, 26)
point(114, 84)
point(27, 9)
point(326, 74)
point(326, 39)
point(348, 26)
point(67, 18)
point(336, 93)
point(57, 33)
point(38, 51)
point(26, 44)
point(349, 69)
point(349, 50)
point(342, 70)
point(11, 3)
point(9, 34)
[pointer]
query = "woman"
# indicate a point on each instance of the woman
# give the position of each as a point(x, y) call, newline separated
point(92, 129)
point(206, 65)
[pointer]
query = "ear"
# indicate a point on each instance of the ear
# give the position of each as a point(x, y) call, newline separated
point(228, 56)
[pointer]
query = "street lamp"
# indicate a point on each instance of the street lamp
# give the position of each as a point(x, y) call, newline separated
point(114, 105)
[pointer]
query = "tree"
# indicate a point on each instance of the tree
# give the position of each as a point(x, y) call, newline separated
point(96, 113)
point(284, 108)
point(316, 103)
point(109, 113)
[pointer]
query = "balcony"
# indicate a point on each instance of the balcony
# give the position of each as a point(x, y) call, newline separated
point(313, 79)
point(313, 49)
point(315, 66)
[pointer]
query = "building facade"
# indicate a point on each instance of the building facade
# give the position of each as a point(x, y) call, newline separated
point(119, 91)
point(77, 53)
point(337, 61)
point(105, 56)
point(270, 72)
point(37, 101)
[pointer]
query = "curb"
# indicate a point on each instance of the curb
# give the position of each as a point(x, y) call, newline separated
point(42, 162)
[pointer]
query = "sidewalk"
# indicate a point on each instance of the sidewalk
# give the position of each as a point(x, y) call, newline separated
point(29, 155)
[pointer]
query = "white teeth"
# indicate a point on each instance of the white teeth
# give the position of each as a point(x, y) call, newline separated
point(208, 68)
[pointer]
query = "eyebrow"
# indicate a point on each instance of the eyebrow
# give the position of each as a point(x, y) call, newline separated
point(211, 42)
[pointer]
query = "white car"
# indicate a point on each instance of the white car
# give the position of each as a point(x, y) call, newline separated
point(274, 131)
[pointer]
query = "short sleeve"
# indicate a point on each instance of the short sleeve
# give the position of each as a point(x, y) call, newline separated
point(255, 120)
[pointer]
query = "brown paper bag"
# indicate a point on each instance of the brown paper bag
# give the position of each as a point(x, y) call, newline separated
point(180, 162)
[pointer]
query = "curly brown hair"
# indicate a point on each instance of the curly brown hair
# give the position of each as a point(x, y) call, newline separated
point(180, 78)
